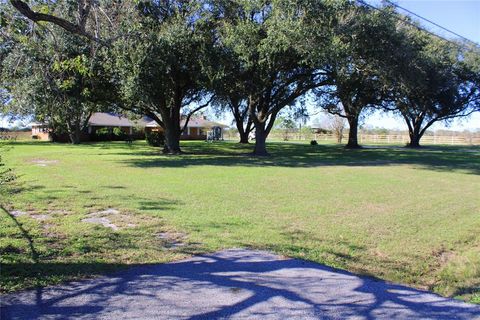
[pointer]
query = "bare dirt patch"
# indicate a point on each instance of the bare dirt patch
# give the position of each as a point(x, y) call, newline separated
point(377, 253)
point(103, 221)
point(18, 213)
point(443, 256)
point(44, 162)
point(40, 217)
point(172, 240)
point(105, 212)
point(446, 257)
point(33, 214)
point(58, 212)
point(111, 218)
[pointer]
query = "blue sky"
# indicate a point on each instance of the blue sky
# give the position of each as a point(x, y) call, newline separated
point(460, 16)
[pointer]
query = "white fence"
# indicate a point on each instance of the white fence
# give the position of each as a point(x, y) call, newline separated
point(400, 139)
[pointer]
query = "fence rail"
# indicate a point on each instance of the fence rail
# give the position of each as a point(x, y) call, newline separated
point(473, 139)
point(404, 139)
point(15, 135)
point(387, 139)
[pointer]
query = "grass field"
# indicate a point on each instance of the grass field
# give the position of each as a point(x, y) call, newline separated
point(410, 216)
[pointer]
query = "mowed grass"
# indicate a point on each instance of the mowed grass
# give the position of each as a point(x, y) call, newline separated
point(409, 216)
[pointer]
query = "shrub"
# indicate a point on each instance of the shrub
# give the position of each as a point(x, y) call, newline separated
point(118, 132)
point(102, 131)
point(6, 175)
point(313, 142)
point(155, 138)
point(109, 134)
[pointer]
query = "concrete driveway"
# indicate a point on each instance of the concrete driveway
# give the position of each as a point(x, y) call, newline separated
point(233, 284)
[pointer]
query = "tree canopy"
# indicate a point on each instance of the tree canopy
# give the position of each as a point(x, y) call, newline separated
point(364, 40)
point(168, 65)
point(274, 66)
point(433, 81)
point(55, 76)
point(169, 59)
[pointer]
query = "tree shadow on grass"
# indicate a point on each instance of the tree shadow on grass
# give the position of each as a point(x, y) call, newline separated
point(145, 204)
point(299, 155)
point(93, 144)
point(95, 243)
point(440, 158)
point(24, 233)
point(230, 284)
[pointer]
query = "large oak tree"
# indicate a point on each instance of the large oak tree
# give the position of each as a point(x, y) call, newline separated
point(434, 80)
point(53, 75)
point(270, 41)
point(364, 42)
point(165, 67)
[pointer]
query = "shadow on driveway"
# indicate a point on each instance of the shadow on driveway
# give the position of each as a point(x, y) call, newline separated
point(233, 283)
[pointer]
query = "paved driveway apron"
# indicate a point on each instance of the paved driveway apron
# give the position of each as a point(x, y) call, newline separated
point(233, 284)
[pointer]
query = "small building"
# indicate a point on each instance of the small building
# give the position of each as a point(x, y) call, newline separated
point(41, 131)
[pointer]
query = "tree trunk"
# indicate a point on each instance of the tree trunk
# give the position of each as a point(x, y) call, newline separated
point(172, 139)
point(260, 140)
point(74, 133)
point(172, 144)
point(243, 137)
point(353, 133)
point(415, 131)
point(415, 137)
point(171, 122)
point(75, 137)
point(242, 131)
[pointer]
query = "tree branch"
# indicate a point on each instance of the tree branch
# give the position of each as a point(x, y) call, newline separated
point(79, 29)
point(153, 116)
point(195, 110)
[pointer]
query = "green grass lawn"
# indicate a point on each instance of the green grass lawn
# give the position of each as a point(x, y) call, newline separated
point(410, 216)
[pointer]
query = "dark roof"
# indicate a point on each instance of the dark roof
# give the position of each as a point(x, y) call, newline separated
point(194, 123)
point(103, 119)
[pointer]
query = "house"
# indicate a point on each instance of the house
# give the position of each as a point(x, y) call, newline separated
point(197, 128)
point(106, 126)
point(97, 122)
point(104, 120)
point(102, 125)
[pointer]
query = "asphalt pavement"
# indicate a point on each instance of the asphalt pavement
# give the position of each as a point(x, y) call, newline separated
point(233, 284)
